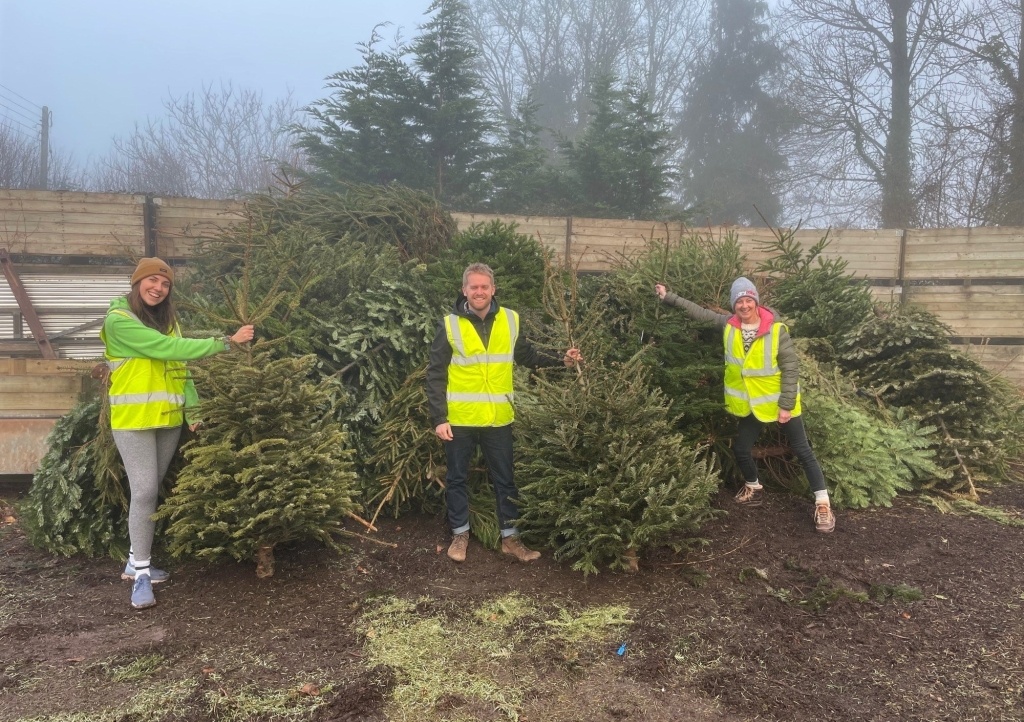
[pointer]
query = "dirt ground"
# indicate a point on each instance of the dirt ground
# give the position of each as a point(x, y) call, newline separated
point(901, 614)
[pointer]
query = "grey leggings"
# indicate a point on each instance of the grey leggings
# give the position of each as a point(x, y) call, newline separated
point(146, 454)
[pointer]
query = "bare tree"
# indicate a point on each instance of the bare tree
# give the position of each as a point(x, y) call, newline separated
point(219, 143)
point(19, 163)
point(994, 42)
point(877, 81)
point(552, 51)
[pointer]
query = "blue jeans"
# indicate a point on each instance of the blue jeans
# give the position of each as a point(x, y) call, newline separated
point(496, 444)
point(746, 437)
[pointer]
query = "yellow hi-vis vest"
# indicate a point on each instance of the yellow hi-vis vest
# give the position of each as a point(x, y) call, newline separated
point(480, 379)
point(753, 381)
point(146, 393)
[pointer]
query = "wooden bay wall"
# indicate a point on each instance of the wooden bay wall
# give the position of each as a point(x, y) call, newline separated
point(973, 279)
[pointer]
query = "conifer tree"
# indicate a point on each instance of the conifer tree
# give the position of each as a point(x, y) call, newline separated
point(78, 501)
point(603, 474)
point(732, 121)
point(413, 115)
point(905, 358)
point(618, 166)
point(270, 464)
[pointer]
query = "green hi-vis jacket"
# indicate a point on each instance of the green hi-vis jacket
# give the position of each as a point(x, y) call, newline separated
point(149, 385)
point(753, 381)
point(480, 378)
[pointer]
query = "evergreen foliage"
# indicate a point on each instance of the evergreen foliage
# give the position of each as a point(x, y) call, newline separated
point(269, 467)
point(733, 120)
point(603, 475)
point(521, 179)
point(618, 166)
point(77, 503)
point(408, 461)
point(517, 260)
point(686, 359)
point(868, 452)
point(413, 115)
point(816, 294)
point(867, 460)
point(905, 358)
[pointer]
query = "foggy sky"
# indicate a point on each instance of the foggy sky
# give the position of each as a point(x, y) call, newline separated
point(100, 66)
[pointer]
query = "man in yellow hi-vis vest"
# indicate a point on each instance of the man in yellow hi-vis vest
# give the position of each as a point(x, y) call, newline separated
point(762, 385)
point(469, 390)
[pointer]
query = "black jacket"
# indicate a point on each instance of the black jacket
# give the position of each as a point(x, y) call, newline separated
point(524, 354)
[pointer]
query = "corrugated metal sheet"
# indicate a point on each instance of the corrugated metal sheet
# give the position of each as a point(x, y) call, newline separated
point(60, 293)
point(64, 302)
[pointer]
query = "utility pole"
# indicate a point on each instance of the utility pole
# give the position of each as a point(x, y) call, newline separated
point(44, 150)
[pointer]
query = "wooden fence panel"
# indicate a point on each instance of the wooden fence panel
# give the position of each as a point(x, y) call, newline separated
point(976, 309)
point(180, 222)
point(868, 253)
point(549, 230)
point(599, 244)
point(965, 253)
point(39, 388)
point(1004, 361)
point(70, 223)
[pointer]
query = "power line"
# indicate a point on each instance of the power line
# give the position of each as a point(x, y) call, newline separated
point(17, 112)
point(37, 107)
point(15, 121)
point(23, 134)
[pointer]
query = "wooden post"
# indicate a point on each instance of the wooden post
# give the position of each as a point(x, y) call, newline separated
point(44, 150)
point(25, 304)
point(149, 225)
point(900, 281)
point(568, 242)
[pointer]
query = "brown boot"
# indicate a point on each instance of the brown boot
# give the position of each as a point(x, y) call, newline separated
point(514, 545)
point(457, 549)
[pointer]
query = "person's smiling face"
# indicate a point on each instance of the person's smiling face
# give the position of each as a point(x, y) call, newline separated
point(479, 291)
point(154, 289)
point(746, 309)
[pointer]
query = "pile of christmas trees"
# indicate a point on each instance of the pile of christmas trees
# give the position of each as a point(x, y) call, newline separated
point(322, 423)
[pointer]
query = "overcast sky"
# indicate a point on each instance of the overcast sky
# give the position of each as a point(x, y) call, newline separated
point(100, 66)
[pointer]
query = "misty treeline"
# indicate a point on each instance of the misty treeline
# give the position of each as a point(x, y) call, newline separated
point(863, 113)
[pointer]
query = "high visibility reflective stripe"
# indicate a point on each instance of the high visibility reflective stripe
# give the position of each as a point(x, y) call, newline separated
point(493, 358)
point(761, 372)
point(481, 398)
point(768, 344)
point(122, 312)
point(453, 323)
point(758, 400)
point(767, 370)
point(738, 393)
point(121, 399)
point(513, 331)
point(460, 346)
point(729, 343)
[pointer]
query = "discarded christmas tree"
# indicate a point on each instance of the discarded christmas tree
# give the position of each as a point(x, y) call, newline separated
point(270, 465)
point(78, 501)
point(603, 474)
